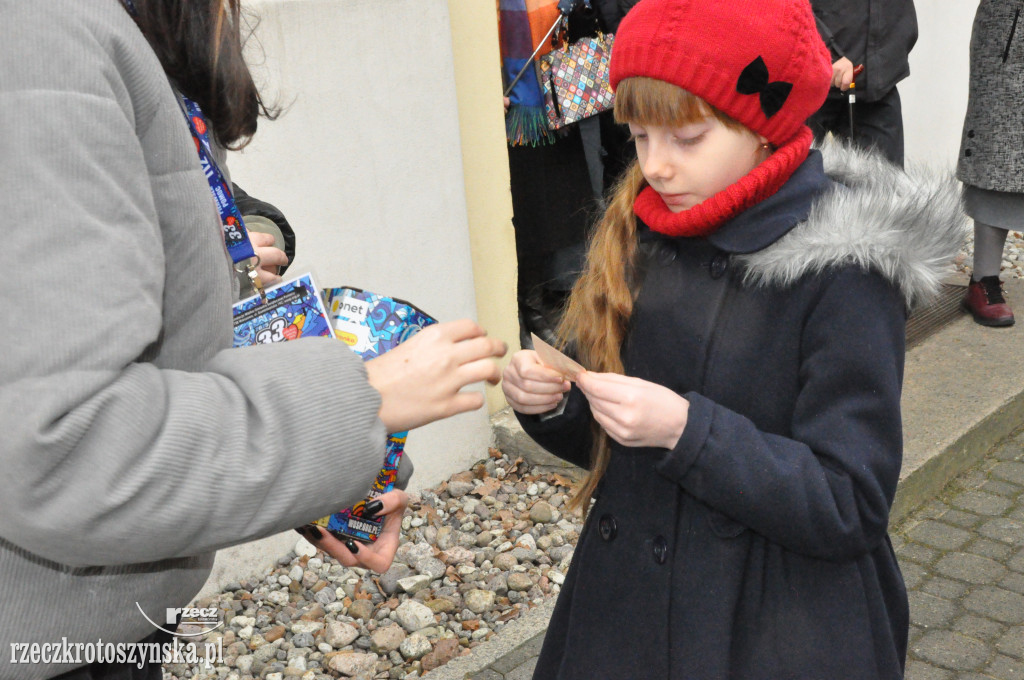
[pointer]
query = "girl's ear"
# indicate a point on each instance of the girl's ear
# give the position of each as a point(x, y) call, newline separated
point(762, 140)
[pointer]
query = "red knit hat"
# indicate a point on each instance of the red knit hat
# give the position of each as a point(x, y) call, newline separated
point(760, 62)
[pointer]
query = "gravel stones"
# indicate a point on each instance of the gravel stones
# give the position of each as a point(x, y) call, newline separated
point(459, 489)
point(390, 578)
point(338, 634)
point(307, 627)
point(413, 615)
point(387, 639)
point(414, 647)
point(361, 609)
point(519, 581)
point(479, 601)
point(541, 513)
point(505, 561)
point(458, 555)
point(444, 651)
point(353, 663)
point(430, 566)
point(475, 553)
point(414, 584)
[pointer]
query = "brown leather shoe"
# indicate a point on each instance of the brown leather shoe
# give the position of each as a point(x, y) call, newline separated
point(985, 301)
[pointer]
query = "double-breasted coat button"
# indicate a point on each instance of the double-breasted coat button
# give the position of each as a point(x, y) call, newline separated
point(970, 134)
point(607, 527)
point(967, 153)
point(719, 263)
point(660, 549)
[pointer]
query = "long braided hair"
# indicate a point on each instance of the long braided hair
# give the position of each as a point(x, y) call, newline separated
point(597, 316)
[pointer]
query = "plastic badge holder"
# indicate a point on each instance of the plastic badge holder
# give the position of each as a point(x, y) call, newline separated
point(371, 325)
point(293, 310)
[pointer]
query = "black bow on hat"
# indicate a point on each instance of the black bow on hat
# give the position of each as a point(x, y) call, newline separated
point(754, 80)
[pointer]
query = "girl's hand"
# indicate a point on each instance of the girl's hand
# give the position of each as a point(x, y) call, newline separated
point(420, 380)
point(271, 258)
point(531, 387)
point(377, 555)
point(635, 412)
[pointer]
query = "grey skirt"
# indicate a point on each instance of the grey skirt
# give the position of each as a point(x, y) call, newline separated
point(1003, 209)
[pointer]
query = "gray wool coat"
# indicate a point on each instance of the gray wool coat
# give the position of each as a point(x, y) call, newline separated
point(992, 143)
point(133, 440)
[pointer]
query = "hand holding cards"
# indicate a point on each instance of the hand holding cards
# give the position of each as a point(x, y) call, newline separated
point(554, 359)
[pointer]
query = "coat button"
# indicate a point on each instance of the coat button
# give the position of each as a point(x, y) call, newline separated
point(970, 134)
point(967, 153)
point(719, 263)
point(660, 549)
point(607, 527)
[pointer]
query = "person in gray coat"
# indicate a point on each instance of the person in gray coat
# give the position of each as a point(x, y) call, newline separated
point(879, 35)
point(135, 440)
point(991, 164)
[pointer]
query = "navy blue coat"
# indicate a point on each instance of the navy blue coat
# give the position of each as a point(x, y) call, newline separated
point(757, 548)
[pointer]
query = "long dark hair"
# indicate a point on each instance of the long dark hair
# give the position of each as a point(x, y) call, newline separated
point(199, 43)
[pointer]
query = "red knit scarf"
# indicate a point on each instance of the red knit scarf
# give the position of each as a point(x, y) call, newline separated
point(704, 218)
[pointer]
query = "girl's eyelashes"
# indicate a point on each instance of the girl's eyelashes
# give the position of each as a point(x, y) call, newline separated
point(690, 141)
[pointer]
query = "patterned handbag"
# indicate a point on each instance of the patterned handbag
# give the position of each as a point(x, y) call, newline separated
point(575, 80)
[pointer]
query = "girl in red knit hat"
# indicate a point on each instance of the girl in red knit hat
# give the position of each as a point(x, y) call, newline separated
point(741, 321)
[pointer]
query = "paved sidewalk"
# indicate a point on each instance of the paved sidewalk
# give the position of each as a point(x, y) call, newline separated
point(962, 556)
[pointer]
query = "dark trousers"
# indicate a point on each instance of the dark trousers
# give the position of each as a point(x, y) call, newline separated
point(121, 671)
point(877, 124)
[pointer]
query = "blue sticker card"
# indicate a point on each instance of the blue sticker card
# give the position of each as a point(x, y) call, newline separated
point(293, 310)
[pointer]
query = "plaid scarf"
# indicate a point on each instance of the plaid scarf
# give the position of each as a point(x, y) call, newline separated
point(522, 24)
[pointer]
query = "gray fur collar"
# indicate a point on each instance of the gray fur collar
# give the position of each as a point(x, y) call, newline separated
point(907, 226)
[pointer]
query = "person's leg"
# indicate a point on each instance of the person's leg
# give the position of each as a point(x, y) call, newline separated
point(879, 125)
point(988, 250)
point(984, 299)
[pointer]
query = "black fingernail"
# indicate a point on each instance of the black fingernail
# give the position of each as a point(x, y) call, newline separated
point(351, 545)
point(315, 531)
point(303, 531)
point(372, 508)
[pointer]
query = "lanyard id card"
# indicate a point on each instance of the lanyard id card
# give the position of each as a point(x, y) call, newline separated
point(292, 310)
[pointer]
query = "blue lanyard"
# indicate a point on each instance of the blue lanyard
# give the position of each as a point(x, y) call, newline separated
point(236, 238)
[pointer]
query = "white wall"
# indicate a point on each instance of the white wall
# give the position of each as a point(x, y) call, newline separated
point(935, 95)
point(366, 164)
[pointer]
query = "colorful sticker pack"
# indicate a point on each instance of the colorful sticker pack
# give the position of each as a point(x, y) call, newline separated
point(371, 324)
point(368, 323)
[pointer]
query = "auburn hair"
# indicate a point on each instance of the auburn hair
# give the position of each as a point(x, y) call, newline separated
point(199, 44)
point(597, 315)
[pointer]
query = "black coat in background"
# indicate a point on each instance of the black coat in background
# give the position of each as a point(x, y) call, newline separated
point(876, 33)
point(757, 549)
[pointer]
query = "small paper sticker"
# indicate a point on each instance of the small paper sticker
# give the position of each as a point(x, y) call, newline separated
point(552, 358)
